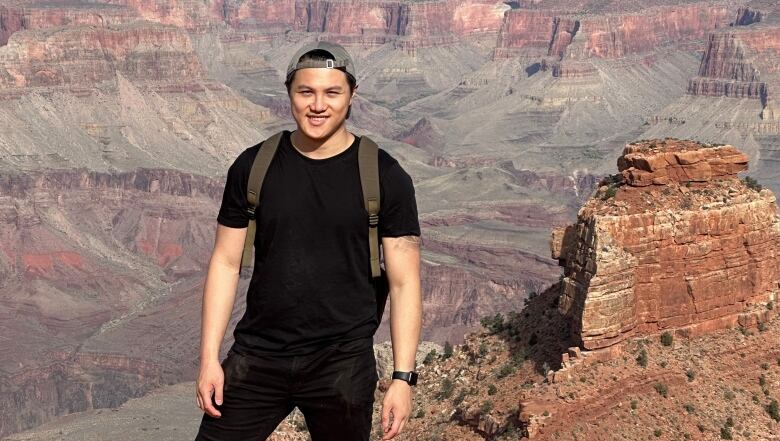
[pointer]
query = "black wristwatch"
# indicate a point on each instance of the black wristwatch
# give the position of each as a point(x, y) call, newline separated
point(409, 377)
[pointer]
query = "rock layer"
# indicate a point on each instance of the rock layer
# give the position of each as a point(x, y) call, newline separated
point(546, 32)
point(690, 254)
point(740, 62)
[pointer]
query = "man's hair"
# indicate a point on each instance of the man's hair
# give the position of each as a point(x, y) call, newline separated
point(322, 55)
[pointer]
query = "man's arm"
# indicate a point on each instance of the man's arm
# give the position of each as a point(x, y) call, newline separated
point(219, 294)
point(402, 263)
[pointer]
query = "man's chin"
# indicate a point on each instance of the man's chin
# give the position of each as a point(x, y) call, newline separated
point(318, 133)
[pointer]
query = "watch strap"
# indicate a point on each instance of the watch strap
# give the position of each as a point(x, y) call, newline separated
point(409, 377)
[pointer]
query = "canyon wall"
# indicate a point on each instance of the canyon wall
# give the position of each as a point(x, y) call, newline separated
point(84, 55)
point(740, 62)
point(539, 32)
point(675, 242)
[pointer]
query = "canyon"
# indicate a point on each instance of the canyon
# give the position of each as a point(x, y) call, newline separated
point(121, 117)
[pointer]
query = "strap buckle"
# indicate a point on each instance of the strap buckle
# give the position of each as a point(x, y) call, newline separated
point(373, 220)
point(250, 211)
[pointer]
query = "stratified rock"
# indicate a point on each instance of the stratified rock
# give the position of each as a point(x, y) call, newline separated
point(545, 31)
point(649, 163)
point(737, 63)
point(690, 254)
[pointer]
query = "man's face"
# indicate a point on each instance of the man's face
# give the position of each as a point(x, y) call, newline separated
point(319, 99)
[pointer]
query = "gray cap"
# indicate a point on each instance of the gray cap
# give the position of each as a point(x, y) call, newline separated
point(341, 58)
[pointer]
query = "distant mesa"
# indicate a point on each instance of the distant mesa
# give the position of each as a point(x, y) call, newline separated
point(675, 242)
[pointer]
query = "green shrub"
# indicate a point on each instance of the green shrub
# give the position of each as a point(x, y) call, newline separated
point(430, 357)
point(420, 413)
point(483, 349)
point(770, 305)
point(725, 433)
point(447, 387)
point(765, 366)
point(633, 404)
point(657, 433)
point(506, 369)
point(494, 324)
point(661, 389)
point(751, 183)
point(486, 407)
point(729, 394)
point(610, 192)
point(773, 410)
point(729, 422)
point(762, 326)
point(762, 380)
point(691, 374)
point(447, 350)
point(689, 408)
point(641, 359)
point(546, 413)
point(492, 389)
point(667, 339)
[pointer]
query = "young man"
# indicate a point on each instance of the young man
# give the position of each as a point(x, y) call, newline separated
point(306, 338)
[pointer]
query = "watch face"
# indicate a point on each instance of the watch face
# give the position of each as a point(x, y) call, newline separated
point(413, 379)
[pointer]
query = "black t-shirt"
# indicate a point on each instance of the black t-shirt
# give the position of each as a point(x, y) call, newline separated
point(311, 284)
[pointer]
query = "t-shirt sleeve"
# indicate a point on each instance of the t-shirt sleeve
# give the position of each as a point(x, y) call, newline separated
point(232, 212)
point(398, 206)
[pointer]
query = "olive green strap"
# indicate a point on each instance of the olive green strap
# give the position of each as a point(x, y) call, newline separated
point(256, 176)
point(369, 181)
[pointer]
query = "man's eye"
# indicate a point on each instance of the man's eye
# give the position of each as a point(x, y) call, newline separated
point(306, 92)
point(332, 93)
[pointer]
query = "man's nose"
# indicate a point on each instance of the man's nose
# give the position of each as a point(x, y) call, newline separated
point(318, 104)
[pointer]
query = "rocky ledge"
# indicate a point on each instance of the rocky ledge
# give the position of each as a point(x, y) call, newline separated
point(676, 241)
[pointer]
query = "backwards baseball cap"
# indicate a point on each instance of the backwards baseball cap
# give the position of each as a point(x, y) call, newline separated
point(340, 58)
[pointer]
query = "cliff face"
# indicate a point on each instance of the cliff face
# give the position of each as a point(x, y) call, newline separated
point(532, 32)
point(88, 263)
point(740, 63)
point(410, 24)
point(89, 55)
point(14, 18)
point(679, 243)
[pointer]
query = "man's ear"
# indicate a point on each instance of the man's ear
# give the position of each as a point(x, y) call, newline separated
point(354, 90)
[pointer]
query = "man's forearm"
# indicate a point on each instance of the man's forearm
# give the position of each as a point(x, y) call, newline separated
point(405, 324)
point(219, 294)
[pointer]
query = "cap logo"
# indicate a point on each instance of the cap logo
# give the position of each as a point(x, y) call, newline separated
point(329, 63)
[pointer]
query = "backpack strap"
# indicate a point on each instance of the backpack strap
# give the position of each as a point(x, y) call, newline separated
point(256, 176)
point(369, 180)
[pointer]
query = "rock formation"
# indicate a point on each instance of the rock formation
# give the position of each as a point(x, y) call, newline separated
point(547, 32)
point(675, 242)
point(82, 55)
point(741, 62)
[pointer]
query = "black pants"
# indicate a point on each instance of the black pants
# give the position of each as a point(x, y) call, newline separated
point(333, 388)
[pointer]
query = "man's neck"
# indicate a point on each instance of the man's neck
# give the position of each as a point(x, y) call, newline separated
point(315, 149)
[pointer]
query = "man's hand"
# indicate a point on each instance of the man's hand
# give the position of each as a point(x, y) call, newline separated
point(210, 379)
point(398, 402)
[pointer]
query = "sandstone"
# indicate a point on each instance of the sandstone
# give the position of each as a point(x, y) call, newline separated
point(663, 262)
point(739, 63)
point(651, 163)
point(538, 31)
point(91, 55)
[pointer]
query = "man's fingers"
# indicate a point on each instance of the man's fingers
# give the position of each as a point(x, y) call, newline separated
point(403, 423)
point(385, 418)
point(205, 395)
point(218, 393)
point(394, 429)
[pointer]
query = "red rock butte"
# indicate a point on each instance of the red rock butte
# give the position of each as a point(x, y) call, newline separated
point(676, 241)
